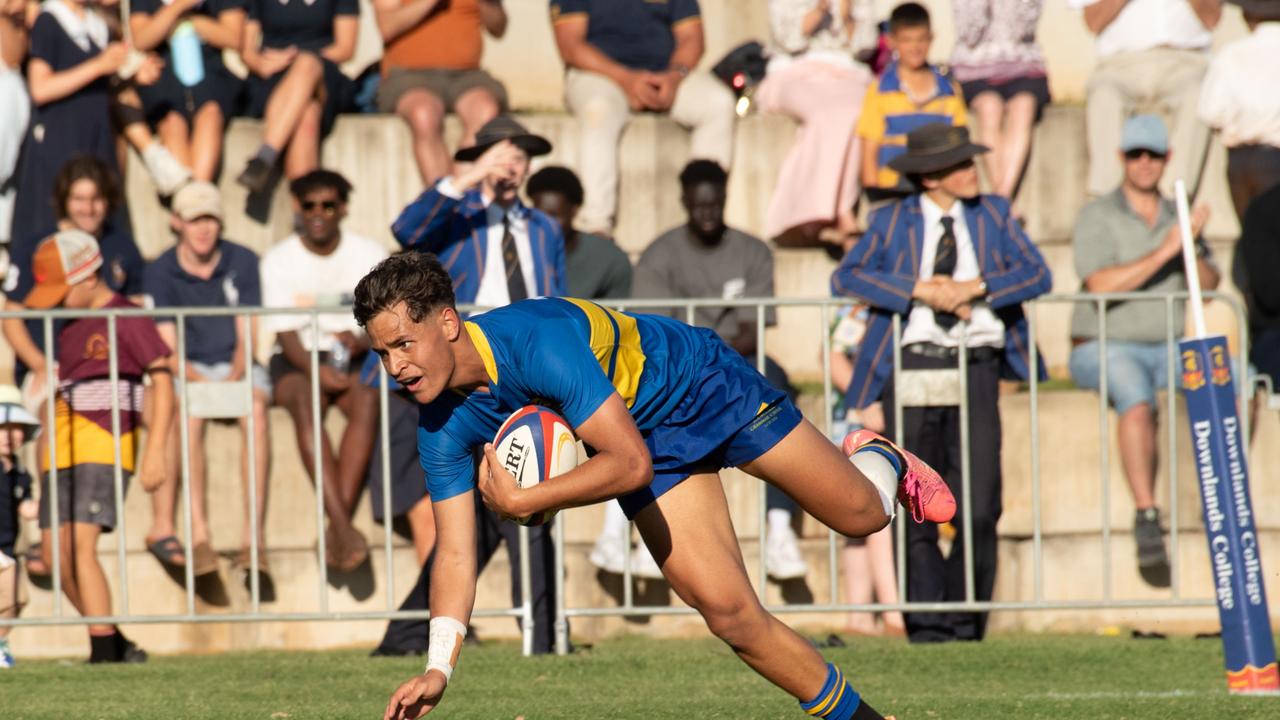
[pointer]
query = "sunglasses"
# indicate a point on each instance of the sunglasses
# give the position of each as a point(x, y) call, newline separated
point(1140, 153)
point(328, 206)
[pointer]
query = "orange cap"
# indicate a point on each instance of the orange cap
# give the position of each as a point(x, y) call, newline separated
point(62, 260)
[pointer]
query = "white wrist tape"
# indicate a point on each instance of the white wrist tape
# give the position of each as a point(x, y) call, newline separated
point(444, 644)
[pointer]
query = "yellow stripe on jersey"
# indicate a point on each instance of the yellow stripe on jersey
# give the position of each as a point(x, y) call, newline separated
point(481, 344)
point(615, 343)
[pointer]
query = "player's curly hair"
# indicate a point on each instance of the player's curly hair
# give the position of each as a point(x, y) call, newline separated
point(415, 278)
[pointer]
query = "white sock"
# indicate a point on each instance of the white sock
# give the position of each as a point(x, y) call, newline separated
point(615, 522)
point(779, 521)
point(882, 474)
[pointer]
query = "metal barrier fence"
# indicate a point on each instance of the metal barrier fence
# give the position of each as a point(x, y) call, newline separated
point(563, 612)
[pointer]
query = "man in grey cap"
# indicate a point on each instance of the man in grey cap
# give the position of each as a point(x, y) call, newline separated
point(1128, 241)
point(496, 249)
point(956, 267)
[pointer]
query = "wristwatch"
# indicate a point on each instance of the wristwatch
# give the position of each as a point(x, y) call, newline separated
point(678, 68)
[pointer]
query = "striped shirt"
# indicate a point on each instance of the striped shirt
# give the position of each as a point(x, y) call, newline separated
point(889, 113)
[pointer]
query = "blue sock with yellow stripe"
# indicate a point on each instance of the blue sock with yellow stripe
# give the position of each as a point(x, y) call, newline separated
point(838, 701)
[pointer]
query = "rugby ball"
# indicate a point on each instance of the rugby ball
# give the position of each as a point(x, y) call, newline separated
point(536, 444)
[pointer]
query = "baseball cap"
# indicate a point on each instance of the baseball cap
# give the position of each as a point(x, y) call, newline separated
point(60, 261)
point(197, 199)
point(1145, 132)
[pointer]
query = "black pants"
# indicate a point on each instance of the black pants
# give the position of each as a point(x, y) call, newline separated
point(933, 433)
point(1251, 171)
point(411, 635)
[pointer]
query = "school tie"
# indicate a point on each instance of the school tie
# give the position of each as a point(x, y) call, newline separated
point(944, 263)
point(511, 261)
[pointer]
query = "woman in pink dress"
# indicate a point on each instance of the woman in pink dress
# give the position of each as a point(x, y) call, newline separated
point(813, 77)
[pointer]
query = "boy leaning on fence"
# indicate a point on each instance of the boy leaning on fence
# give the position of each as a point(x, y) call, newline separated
point(65, 267)
point(17, 425)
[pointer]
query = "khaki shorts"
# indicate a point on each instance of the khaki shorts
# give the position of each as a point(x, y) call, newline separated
point(13, 592)
point(448, 85)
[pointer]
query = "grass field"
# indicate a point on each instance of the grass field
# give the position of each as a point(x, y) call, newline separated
point(1006, 677)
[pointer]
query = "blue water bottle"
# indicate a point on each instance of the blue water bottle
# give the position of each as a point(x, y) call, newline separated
point(187, 54)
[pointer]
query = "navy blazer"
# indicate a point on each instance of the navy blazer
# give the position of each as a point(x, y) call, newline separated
point(881, 270)
point(456, 230)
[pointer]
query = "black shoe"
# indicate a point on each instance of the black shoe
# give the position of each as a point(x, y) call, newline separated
point(132, 654)
point(255, 176)
point(1149, 539)
point(390, 651)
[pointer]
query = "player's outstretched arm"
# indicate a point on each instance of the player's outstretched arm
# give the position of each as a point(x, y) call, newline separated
point(621, 465)
point(453, 594)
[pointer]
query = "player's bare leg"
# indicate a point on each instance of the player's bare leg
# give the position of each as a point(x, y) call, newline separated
point(806, 466)
point(691, 536)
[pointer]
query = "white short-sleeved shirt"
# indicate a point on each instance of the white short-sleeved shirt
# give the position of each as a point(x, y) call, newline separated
point(1147, 24)
point(1236, 96)
point(293, 276)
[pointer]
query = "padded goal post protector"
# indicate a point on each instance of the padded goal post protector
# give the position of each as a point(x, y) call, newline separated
point(1222, 474)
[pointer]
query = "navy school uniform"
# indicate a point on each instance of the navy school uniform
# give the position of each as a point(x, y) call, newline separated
point(79, 124)
point(122, 269)
point(235, 283)
point(219, 86)
point(308, 26)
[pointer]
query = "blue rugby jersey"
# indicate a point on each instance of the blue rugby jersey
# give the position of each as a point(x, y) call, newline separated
point(567, 354)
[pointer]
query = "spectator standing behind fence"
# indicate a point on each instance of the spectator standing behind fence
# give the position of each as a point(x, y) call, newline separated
point(319, 266)
point(939, 257)
point(17, 426)
point(292, 49)
point(595, 268)
point(1151, 53)
point(625, 56)
point(813, 78)
point(1232, 100)
point(196, 95)
point(1258, 265)
point(866, 563)
point(1129, 241)
point(13, 97)
point(498, 251)
point(701, 259)
point(206, 270)
point(70, 73)
point(431, 66)
point(1001, 71)
point(67, 267)
point(909, 93)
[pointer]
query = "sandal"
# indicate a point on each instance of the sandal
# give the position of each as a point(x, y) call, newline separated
point(168, 550)
point(204, 559)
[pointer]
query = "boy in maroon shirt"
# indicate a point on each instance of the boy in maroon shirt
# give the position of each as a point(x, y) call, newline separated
point(65, 267)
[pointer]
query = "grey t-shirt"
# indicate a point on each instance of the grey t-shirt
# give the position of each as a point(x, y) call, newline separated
point(1108, 232)
point(596, 268)
point(678, 265)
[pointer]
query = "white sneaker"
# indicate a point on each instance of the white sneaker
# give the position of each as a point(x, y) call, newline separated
point(609, 553)
point(6, 657)
point(782, 559)
point(643, 565)
point(166, 172)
